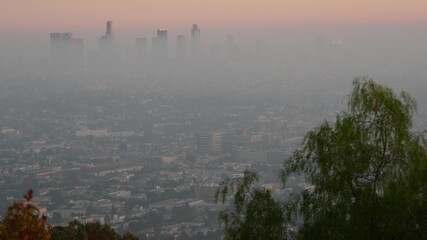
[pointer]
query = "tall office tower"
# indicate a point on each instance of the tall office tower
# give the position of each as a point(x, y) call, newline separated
point(107, 42)
point(160, 45)
point(110, 33)
point(67, 52)
point(106, 59)
point(162, 33)
point(195, 41)
point(209, 143)
point(141, 49)
point(181, 47)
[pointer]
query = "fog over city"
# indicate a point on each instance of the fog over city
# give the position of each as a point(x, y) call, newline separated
point(137, 127)
point(260, 63)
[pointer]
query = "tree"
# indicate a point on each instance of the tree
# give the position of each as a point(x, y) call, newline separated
point(24, 221)
point(129, 236)
point(368, 171)
point(254, 213)
point(88, 231)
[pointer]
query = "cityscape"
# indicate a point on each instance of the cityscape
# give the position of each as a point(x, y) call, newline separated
point(139, 131)
point(69, 54)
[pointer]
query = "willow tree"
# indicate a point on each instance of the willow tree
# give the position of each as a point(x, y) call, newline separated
point(367, 169)
point(253, 214)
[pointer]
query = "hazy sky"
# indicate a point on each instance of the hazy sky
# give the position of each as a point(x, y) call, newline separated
point(54, 15)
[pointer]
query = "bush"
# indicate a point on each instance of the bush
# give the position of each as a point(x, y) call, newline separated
point(24, 221)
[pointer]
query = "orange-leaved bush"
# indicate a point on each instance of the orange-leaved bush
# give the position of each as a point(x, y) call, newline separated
point(24, 221)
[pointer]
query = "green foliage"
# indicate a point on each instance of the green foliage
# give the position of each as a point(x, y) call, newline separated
point(129, 236)
point(254, 213)
point(369, 172)
point(88, 231)
point(24, 221)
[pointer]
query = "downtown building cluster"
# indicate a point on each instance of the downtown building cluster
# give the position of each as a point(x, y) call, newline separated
point(68, 53)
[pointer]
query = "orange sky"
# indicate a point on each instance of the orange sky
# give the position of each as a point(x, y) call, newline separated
point(91, 14)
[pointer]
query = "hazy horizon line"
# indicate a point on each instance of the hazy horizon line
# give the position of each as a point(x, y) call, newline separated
point(290, 26)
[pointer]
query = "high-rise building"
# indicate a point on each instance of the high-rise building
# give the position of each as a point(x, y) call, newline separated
point(195, 41)
point(106, 59)
point(160, 44)
point(195, 33)
point(67, 52)
point(107, 42)
point(209, 142)
point(110, 32)
point(181, 47)
point(162, 33)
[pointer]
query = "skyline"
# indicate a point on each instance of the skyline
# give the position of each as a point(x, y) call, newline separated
point(49, 15)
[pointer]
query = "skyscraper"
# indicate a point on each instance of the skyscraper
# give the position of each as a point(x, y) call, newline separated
point(67, 52)
point(181, 47)
point(106, 59)
point(160, 44)
point(195, 33)
point(162, 33)
point(110, 33)
point(106, 42)
point(195, 41)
